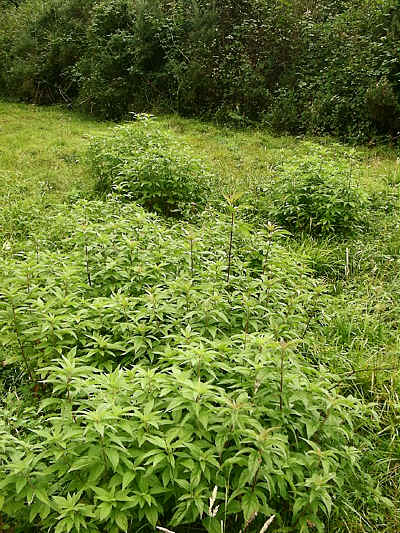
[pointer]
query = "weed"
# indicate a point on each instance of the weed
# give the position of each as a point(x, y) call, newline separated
point(317, 197)
point(139, 388)
point(143, 164)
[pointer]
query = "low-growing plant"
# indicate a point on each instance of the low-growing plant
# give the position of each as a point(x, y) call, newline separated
point(133, 447)
point(138, 388)
point(107, 281)
point(157, 381)
point(316, 196)
point(140, 163)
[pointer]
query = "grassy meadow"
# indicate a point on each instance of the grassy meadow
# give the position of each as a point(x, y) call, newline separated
point(231, 367)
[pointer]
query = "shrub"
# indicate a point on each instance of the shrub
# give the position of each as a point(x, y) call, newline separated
point(383, 106)
point(148, 445)
point(122, 68)
point(284, 114)
point(156, 382)
point(316, 196)
point(344, 56)
point(139, 163)
point(41, 42)
point(296, 65)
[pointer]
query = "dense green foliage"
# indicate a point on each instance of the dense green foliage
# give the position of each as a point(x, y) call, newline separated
point(318, 195)
point(210, 375)
point(140, 163)
point(330, 66)
point(212, 394)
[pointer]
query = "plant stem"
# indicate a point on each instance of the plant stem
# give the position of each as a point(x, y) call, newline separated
point(191, 257)
point(230, 245)
point(87, 265)
point(310, 317)
point(267, 257)
point(347, 264)
point(21, 346)
point(283, 348)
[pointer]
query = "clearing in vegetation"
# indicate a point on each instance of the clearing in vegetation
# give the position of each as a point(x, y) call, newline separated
point(198, 328)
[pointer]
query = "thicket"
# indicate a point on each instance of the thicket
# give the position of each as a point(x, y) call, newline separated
point(159, 366)
point(212, 375)
point(331, 66)
point(142, 164)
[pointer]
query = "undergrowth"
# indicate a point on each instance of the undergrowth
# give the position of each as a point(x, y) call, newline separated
point(143, 164)
point(216, 374)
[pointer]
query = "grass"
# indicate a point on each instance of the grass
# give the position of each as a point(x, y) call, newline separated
point(246, 158)
point(350, 322)
point(41, 162)
point(43, 149)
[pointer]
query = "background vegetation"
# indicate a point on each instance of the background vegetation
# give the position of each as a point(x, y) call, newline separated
point(299, 66)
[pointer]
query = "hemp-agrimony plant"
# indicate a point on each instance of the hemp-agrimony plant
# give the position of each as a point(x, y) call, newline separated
point(192, 237)
point(231, 203)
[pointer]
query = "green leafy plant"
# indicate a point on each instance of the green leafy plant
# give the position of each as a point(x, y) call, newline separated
point(316, 196)
point(139, 163)
point(146, 444)
point(140, 391)
point(160, 381)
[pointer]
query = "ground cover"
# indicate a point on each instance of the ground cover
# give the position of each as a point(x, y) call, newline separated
point(205, 370)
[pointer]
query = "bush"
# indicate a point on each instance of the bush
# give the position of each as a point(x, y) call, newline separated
point(41, 42)
point(383, 106)
point(316, 196)
point(141, 164)
point(154, 382)
point(122, 68)
point(284, 114)
point(299, 67)
point(344, 56)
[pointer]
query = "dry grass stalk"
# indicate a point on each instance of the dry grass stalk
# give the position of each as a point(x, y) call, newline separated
point(212, 512)
point(267, 524)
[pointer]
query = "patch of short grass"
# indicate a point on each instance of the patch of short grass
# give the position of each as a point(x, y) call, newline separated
point(42, 153)
point(42, 149)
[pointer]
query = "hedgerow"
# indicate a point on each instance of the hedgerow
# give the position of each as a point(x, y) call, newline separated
point(328, 67)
